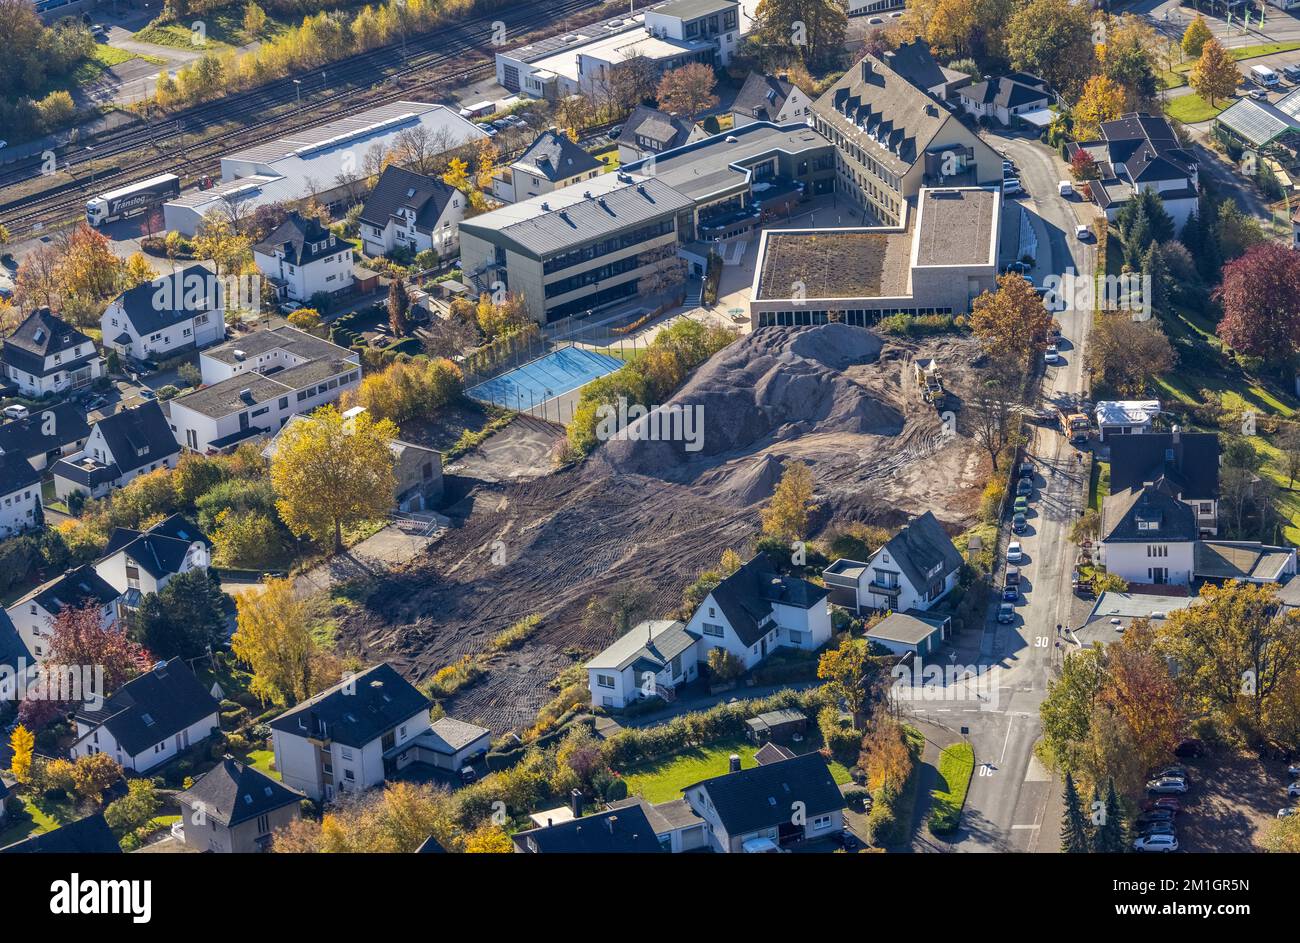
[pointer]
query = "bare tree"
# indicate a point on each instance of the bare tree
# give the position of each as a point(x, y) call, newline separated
point(991, 402)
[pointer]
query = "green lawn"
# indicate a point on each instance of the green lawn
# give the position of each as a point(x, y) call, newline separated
point(262, 760)
point(36, 817)
point(225, 28)
point(609, 159)
point(665, 779)
point(1192, 109)
point(1098, 485)
point(956, 764)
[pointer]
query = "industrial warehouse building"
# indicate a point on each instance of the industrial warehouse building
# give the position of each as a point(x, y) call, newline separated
point(937, 262)
point(325, 162)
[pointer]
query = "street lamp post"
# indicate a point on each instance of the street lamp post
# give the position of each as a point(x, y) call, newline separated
point(297, 87)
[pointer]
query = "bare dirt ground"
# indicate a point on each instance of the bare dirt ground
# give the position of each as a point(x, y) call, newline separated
point(654, 515)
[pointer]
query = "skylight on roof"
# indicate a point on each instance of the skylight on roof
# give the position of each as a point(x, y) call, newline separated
point(147, 719)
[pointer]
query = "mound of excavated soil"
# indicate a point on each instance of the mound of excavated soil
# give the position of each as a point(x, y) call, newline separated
point(771, 387)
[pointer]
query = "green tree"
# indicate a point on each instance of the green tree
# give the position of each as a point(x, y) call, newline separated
point(1196, 36)
point(1215, 74)
point(1053, 39)
point(1074, 825)
point(1108, 837)
point(135, 809)
point(786, 515)
point(184, 619)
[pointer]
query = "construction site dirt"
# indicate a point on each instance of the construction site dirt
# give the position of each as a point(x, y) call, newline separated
point(655, 514)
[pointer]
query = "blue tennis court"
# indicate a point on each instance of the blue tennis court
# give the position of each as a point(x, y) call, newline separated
point(545, 378)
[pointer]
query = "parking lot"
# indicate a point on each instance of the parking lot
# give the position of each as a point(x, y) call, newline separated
point(1232, 796)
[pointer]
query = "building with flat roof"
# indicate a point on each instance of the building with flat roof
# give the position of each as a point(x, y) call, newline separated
point(578, 248)
point(312, 161)
point(585, 60)
point(252, 385)
point(937, 262)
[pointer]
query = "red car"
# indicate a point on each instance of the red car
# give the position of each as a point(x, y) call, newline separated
point(1164, 802)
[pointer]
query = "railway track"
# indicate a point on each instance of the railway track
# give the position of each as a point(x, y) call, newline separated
point(341, 92)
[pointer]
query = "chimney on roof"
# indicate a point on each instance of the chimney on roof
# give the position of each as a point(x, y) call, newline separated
point(734, 763)
point(609, 822)
point(1176, 435)
point(575, 803)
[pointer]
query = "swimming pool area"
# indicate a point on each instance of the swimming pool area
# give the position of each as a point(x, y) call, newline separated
point(545, 378)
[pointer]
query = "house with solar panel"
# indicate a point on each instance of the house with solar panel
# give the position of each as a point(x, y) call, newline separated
point(1141, 152)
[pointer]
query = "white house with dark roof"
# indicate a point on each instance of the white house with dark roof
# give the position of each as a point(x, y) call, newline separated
point(914, 569)
point(20, 495)
point(410, 211)
point(651, 659)
point(253, 384)
point(235, 809)
point(351, 736)
point(552, 161)
point(1005, 97)
point(649, 131)
point(1142, 152)
point(45, 354)
point(1148, 536)
point(45, 435)
point(769, 98)
point(167, 316)
point(16, 664)
point(1186, 464)
point(34, 613)
point(301, 258)
point(120, 448)
point(150, 719)
point(145, 561)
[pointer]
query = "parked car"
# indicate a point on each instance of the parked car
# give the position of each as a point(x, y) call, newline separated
point(1293, 770)
point(1164, 802)
point(1011, 186)
point(1026, 470)
point(1291, 72)
point(1010, 592)
point(468, 775)
point(848, 841)
point(1172, 772)
point(146, 394)
point(1024, 487)
point(1020, 268)
point(1014, 552)
point(614, 132)
point(1052, 355)
point(1008, 168)
point(1158, 828)
point(1006, 613)
point(1082, 233)
point(1287, 812)
point(1259, 94)
point(1293, 791)
point(1021, 506)
point(1190, 749)
point(1065, 188)
point(1156, 843)
point(1018, 523)
point(289, 307)
point(1167, 785)
point(15, 411)
point(1154, 815)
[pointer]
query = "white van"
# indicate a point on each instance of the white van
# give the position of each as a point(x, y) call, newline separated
point(15, 411)
point(1263, 75)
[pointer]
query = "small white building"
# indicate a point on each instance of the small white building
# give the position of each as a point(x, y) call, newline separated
point(150, 719)
point(253, 384)
point(1126, 417)
point(302, 258)
point(913, 570)
point(34, 614)
point(20, 494)
point(351, 736)
point(1003, 98)
point(1148, 536)
point(451, 744)
point(145, 561)
point(650, 660)
point(45, 354)
point(769, 98)
point(552, 161)
point(120, 448)
point(168, 316)
point(412, 212)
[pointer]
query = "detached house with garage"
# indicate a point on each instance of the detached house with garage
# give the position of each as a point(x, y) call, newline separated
point(770, 806)
point(350, 737)
point(33, 614)
point(649, 660)
point(46, 354)
point(914, 569)
point(552, 161)
point(168, 316)
point(1004, 98)
point(411, 212)
point(302, 258)
point(150, 719)
point(120, 448)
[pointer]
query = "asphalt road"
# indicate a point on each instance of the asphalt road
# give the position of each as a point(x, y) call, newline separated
point(1011, 803)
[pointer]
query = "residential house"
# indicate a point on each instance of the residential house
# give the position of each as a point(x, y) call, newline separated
point(677, 827)
point(451, 744)
point(301, 258)
point(1148, 536)
point(16, 662)
point(20, 495)
point(755, 610)
point(411, 212)
point(88, 836)
point(913, 631)
point(769, 98)
point(914, 569)
point(649, 131)
point(1004, 98)
point(1142, 152)
point(894, 133)
point(617, 831)
point(34, 613)
point(552, 161)
point(1186, 462)
point(1126, 417)
point(45, 355)
point(46, 435)
point(149, 720)
point(120, 448)
point(351, 736)
point(650, 660)
point(254, 384)
point(417, 469)
point(143, 562)
point(767, 807)
point(166, 317)
point(235, 809)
